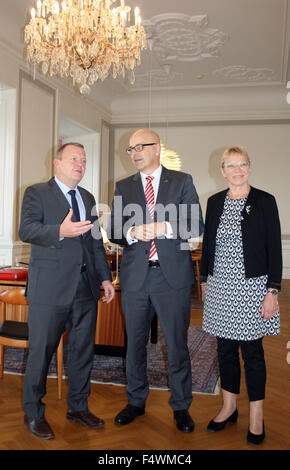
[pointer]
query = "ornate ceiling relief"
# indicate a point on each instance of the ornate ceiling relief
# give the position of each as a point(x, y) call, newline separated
point(184, 38)
point(242, 72)
point(158, 77)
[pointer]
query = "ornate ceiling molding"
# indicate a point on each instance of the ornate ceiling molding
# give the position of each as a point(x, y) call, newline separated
point(158, 77)
point(242, 72)
point(184, 38)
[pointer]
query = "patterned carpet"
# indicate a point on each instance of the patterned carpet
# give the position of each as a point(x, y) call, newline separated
point(111, 370)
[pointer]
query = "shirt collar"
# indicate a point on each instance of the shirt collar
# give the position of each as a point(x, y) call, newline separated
point(65, 189)
point(156, 174)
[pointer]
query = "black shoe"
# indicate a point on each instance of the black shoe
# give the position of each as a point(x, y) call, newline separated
point(183, 421)
point(39, 427)
point(256, 439)
point(215, 426)
point(86, 418)
point(128, 414)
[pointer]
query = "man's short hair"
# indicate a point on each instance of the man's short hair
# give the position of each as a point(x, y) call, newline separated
point(62, 147)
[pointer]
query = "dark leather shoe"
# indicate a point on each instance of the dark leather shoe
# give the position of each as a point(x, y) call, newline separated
point(128, 414)
point(219, 426)
point(183, 421)
point(86, 418)
point(39, 427)
point(256, 439)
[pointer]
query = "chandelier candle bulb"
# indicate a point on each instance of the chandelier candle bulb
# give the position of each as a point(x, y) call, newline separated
point(124, 17)
point(55, 9)
point(137, 13)
point(39, 5)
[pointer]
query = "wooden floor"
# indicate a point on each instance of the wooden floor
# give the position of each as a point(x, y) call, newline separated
point(156, 429)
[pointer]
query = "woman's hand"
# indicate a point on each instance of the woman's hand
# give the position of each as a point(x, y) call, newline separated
point(269, 306)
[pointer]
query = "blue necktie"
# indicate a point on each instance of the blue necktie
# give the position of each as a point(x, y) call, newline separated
point(75, 208)
point(74, 204)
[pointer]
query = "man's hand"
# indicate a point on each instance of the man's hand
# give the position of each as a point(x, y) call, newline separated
point(145, 233)
point(109, 291)
point(69, 229)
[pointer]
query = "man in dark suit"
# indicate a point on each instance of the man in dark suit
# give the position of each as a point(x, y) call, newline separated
point(67, 266)
point(156, 271)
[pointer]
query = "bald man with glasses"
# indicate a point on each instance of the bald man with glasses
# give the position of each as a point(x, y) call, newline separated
point(154, 212)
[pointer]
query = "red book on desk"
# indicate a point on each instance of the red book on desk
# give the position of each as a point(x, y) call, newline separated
point(13, 274)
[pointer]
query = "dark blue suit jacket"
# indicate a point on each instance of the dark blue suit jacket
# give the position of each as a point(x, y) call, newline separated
point(54, 269)
point(178, 203)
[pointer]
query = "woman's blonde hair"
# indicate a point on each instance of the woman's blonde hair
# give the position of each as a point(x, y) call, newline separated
point(235, 150)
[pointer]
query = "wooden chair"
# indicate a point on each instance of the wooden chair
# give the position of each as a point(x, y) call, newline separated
point(15, 333)
point(196, 258)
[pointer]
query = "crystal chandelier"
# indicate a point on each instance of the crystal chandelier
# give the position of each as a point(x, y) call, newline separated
point(84, 39)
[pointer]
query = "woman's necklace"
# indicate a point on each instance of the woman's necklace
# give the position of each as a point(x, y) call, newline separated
point(239, 196)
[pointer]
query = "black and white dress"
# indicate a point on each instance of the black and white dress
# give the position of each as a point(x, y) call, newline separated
point(232, 307)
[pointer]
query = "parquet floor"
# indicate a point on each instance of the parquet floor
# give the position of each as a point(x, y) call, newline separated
point(156, 429)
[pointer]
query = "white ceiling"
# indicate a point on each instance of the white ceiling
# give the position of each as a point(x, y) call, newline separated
point(225, 41)
point(202, 51)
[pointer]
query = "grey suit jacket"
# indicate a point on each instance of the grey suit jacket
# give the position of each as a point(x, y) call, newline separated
point(55, 264)
point(178, 203)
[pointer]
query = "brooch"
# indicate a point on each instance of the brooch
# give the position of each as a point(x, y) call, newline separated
point(248, 209)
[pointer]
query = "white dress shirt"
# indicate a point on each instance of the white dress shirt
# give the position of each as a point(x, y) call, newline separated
point(155, 183)
point(65, 189)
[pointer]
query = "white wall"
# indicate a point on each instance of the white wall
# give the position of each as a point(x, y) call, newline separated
point(29, 136)
point(199, 143)
point(7, 171)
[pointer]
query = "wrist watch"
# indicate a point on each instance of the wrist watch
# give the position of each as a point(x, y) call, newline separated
point(272, 291)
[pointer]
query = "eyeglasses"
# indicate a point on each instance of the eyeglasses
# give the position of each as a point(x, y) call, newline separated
point(138, 148)
point(231, 166)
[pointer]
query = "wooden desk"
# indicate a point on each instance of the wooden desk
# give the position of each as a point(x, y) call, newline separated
point(110, 330)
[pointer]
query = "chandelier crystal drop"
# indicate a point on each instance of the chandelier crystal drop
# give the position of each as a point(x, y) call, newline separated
point(85, 40)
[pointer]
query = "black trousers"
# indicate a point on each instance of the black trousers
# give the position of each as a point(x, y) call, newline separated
point(254, 364)
point(46, 325)
point(173, 310)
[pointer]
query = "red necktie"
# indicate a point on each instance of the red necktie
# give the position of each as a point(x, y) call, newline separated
point(149, 194)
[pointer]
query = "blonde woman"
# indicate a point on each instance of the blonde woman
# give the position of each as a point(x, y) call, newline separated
point(241, 272)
